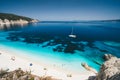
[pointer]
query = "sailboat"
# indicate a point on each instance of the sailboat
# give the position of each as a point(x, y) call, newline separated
point(72, 35)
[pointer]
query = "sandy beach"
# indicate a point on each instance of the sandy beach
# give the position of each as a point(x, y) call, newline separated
point(9, 59)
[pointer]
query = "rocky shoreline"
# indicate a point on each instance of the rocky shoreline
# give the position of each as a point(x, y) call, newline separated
point(13, 19)
point(110, 69)
point(19, 21)
point(19, 74)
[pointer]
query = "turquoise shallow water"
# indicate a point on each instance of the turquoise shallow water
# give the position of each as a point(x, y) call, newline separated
point(49, 42)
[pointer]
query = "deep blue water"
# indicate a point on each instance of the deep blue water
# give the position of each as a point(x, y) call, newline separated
point(94, 39)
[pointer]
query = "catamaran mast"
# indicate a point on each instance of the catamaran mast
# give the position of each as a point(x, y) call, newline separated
point(72, 30)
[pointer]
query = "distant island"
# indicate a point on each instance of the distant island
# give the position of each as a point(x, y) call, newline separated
point(81, 21)
point(6, 18)
point(113, 20)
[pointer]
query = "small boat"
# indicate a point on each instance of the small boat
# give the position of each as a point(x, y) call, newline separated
point(72, 35)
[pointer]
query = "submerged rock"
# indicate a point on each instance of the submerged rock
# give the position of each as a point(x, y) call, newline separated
point(87, 67)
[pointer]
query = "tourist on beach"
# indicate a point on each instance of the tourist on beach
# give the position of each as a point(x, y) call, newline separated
point(31, 64)
point(13, 58)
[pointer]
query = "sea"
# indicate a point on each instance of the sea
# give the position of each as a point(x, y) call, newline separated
point(48, 42)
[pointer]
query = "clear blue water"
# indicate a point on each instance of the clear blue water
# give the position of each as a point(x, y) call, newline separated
point(49, 41)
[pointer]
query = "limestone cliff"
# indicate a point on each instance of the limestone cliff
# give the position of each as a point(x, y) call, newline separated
point(15, 19)
point(110, 70)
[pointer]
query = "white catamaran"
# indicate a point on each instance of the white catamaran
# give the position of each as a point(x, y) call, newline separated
point(72, 35)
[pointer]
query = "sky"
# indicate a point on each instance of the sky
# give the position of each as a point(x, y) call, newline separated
point(63, 10)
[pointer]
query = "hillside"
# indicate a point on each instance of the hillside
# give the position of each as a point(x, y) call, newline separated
point(7, 19)
point(13, 17)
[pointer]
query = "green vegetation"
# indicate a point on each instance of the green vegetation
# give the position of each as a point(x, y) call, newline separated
point(13, 17)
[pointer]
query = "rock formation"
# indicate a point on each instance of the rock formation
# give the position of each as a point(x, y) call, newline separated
point(108, 56)
point(110, 70)
point(88, 68)
point(21, 75)
point(8, 19)
point(20, 21)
